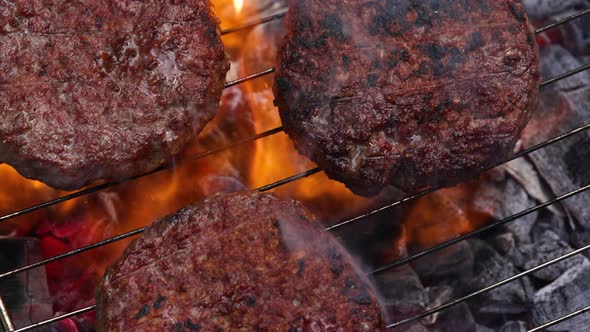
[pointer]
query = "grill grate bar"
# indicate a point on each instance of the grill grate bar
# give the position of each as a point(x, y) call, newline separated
point(479, 231)
point(5, 318)
point(565, 20)
point(277, 184)
point(55, 319)
point(249, 77)
point(561, 319)
point(254, 23)
point(491, 287)
point(565, 75)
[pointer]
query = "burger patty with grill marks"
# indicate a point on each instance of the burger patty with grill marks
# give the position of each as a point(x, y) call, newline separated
point(406, 93)
point(237, 262)
point(104, 89)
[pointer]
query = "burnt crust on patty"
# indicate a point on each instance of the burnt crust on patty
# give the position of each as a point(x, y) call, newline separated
point(104, 89)
point(239, 262)
point(406, 93)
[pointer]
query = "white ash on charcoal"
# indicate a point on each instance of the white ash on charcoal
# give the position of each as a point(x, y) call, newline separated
point(559, 225)
point(452, 266)
point(402, 293)
point(548, 8)
point(563, 165)
point(507, 197)
point(514, 326)
point(556, 60)
point(504, 242)
point(483, 328)
point(548, 247)
point(524, 172)
point(456, 318)
point(490, 267)
point(26, 294)
point(570, 292)
point(575, 35)
point(581, 239)
point(437, 296)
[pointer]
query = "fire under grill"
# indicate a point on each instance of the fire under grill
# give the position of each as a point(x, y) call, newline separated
point(8, 324)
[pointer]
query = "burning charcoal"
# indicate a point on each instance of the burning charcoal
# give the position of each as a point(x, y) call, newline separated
point(454, 264)
point(508, 197)
point(437, 296)
point(26, 295)
point(563, 165)
point(514, 326)
point(504, 243)
point(524, 172)
point(548, 247)
point(490, 267)
point(482, 328)
point(402, 292)
point(556, 60)
point(581, 239)
point(548, 221)
point(455, 318)
point(568, 293)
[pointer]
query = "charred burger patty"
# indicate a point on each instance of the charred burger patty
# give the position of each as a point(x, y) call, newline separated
point(104, 89)
point(237, 262)
point(409, 93)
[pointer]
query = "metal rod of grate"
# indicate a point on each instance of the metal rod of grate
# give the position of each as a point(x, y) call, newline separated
point(561, 319)
point(7, 323)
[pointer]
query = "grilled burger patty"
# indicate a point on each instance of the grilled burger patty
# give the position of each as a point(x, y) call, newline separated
point(104, 88)
point(237, 262)
point(409, 93)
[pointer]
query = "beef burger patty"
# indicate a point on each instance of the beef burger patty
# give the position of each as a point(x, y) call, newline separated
point(104, 88)
point(237, 262)
point(409, 93)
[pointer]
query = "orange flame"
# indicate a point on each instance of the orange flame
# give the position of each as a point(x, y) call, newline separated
point(238, 4)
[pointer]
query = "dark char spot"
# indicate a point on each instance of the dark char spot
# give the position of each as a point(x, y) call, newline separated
point(43, 71)
point(251, 301)
point(335, 259)
point(159, 301)
point(346, 61)
point(372, 79)
point(404, 55)
point(434, 51)
point(444, 104)
point(475, 41)
point(144, 311)
point(283, 83)
point(333, 26)
point(178, 327)
point(300, 267)
point(99, 22)
point(192, 326)
point(349, 282)
point(518, 12)
point(363, 298)
point(530, 38)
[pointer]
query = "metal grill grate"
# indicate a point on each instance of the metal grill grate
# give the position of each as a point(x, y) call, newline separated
point(9, 326)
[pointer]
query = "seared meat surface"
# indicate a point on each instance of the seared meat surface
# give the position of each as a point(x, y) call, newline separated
point(237, 262)
point(406, 93)
point(104, 88)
